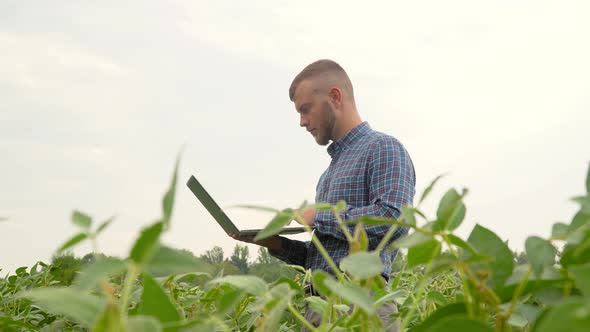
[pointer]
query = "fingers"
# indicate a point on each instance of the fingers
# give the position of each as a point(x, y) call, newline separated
point(243, 238)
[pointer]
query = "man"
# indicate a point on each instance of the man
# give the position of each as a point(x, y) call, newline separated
point(371, 171)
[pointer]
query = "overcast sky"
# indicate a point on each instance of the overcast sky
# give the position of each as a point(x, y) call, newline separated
point(97, 98)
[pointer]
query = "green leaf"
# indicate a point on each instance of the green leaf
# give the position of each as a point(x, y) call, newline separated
point(362, 264)
point(292, 284)
point(72, 241)
point(518, 320)
point(201, 324)
point(578, 253)
point(529, 312)
point(21, 271)
point(147, 244)
point(250, 284)
point(412, 240)
point(502, 263)
point(549, 273)
point(423, 253)
point(353, 294)
point(363, 239)
point(408, 214)
point(155, 302)
point(451, 211)
point(588, 181)
point(104, 225)
point(317, 304)
point(584, 201)
point(371, 221)
point(272, 306)
point(276, 224)
point(452, 310)
point(460, 324)
point(540, 253)
point(166, 261)
point(99, 270)
point(582, 276)
point(192, 277)
point(109, 320)
point(341, 205)
point(559, 231)
point(437, 297)
point(143, 324)
point(463, 245)
point(397, 295)
point(525, 314)
point(228, 301)
point(81, 219)
point(168, 200)
point(572, 316)
point(320, 206)
point(429, 188)
point(505, 293)
point(550, 296)
point(579, 220)
point(78, 306)
point(319, 282)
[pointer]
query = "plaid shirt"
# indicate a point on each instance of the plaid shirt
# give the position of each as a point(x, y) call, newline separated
point(373, 173)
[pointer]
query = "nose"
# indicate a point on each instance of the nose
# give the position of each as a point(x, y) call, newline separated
point(303, 121)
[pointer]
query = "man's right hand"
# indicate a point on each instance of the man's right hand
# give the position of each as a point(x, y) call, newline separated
point(273, 242)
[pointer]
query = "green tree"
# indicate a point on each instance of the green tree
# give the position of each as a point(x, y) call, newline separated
point(264, 257)
point(240, 258)
point(213, 256)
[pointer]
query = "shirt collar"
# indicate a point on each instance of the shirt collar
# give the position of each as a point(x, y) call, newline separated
point(349, 139)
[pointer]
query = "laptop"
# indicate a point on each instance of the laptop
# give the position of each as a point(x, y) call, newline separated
point(220, 216)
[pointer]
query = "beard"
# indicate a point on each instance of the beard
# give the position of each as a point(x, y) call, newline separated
point(327, 120)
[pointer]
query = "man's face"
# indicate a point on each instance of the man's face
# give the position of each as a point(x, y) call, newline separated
point(315, 112)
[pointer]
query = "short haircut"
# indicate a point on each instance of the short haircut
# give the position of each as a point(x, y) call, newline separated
point(329, 69)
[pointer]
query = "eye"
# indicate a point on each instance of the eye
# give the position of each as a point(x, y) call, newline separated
point(304, 109)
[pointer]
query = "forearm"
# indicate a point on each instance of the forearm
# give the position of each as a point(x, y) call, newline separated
point(290, 251)
point(271, 243)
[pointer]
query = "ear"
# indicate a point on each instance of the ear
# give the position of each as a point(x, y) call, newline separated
point(335, 95)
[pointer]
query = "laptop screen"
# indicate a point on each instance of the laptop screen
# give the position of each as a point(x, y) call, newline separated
point(214, 209)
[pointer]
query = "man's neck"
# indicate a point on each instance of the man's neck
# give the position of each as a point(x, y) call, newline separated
point(347, 124)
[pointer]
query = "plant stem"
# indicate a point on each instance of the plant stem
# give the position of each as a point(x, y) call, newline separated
point(487, 293)
point(300, 318)
point(132, 271)
point(518, 291)
point(567, 289)
point(219, 322)
point(466, 288)
point(421, 287)
point(239, 313)
point(329, 311)
point(386, 238)
point(342, 225)
point(320, 247)
point(94, 245)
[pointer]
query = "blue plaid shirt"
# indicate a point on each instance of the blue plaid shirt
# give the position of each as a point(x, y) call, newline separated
point(373, 173)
